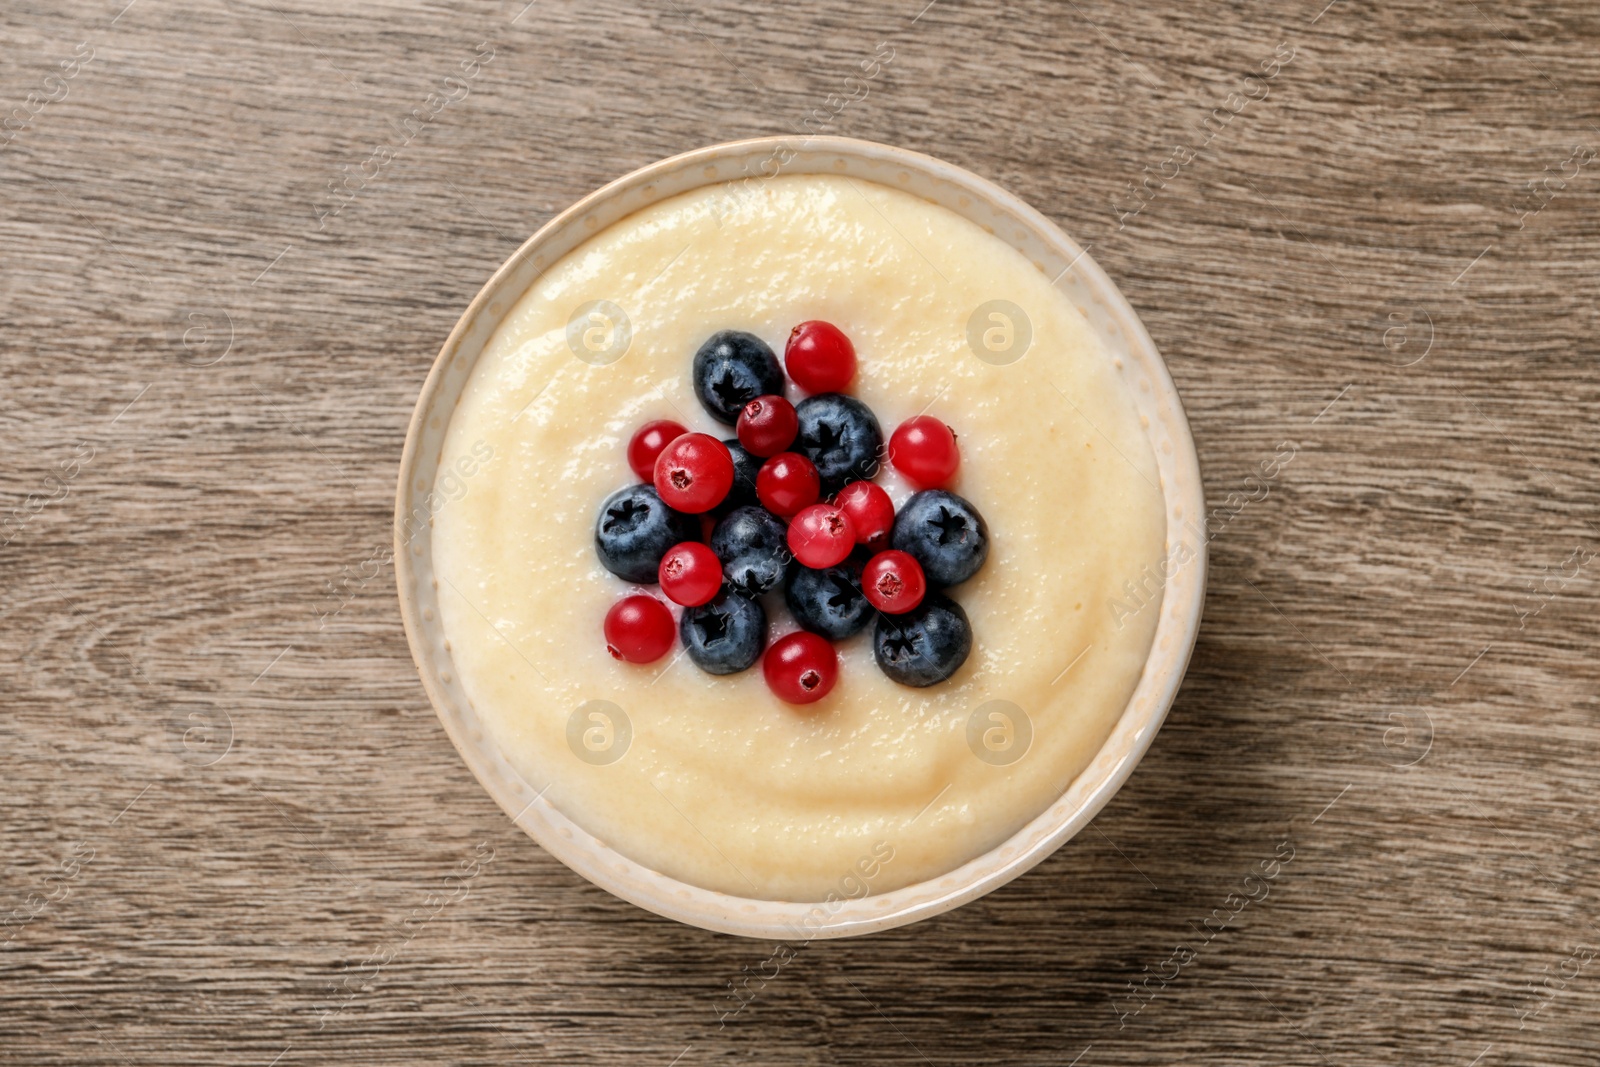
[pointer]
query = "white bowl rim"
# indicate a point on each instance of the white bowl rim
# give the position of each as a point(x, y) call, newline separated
point(1133, 733)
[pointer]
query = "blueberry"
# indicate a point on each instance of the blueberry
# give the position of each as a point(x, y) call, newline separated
point(746, 465)
point(841, 436)
point(925, 645)
point(753, 545)
point(828, 601)
point(635, 529)
point(732, 369)
point(944, 533)
point(725, 636)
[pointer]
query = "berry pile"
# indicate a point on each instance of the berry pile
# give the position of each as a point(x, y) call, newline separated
point(789, 501)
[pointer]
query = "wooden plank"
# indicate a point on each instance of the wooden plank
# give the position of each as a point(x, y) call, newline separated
point(1352, 262)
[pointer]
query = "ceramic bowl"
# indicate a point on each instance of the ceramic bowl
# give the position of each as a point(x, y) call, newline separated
point(1124, 341)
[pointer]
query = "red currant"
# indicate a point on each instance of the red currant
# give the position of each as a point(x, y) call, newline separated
point(819, 357)
point(647, 443)
point(870, 510)
point(690, 573)
point(924, 450)
point(694, 473)
point(893, 582)
point(767, 425)
point(639, 629)
point(821, 536)
point(788, 482)
point(801, 667)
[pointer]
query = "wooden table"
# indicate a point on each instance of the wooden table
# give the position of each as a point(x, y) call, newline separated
point(1362, 233)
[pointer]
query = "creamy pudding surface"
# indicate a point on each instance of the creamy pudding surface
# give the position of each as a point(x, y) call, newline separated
point(714, 780)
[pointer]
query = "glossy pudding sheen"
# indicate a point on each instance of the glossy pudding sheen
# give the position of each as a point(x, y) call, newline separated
point(721, 784)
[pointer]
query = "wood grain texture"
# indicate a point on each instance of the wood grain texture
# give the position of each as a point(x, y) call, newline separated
point(1348, 263)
